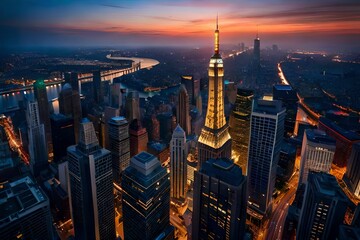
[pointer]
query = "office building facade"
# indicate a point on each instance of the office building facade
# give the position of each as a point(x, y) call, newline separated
point(178, 164)
point(239, 127)
point(91, 186)
point(146, 199)
point(219, 207)
point(183, 110)
point(119, 145)
point(323, 209)
point(317, 153)
point(352, 174)
point(266, 134)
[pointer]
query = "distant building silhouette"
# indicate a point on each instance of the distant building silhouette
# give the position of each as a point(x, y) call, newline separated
point(138, 137)
point(132, 106)
point(183, 109)
point(98, 87)
point(192, 87)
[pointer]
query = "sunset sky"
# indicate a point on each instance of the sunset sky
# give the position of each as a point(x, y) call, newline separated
point(289, 23)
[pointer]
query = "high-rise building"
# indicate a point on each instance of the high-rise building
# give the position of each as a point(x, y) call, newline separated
point(25, 211)
point(219, 208)
point(132, 106)
point(183, 109)
point(98, 87)
point(119, 145)
point(199, 104)
point(317, 153)
point(44, 113)
point(91, 186)
point(288, 96)
point(70, 105)
point(146, 199)
point(352, 174)
point(138, 137)
point(192, 87)
point(165, 122)
point(178, 164)
point(62, 130)
point(239, 127)
point(323, 209)
point(344, 140)
point(72, 79)
point(215, 140)
point(266, 135)
point(116, 96)
point(256, 52)
point(37, 141)
point(109, 113)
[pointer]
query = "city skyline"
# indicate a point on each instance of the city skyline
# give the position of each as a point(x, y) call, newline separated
point(290, 24)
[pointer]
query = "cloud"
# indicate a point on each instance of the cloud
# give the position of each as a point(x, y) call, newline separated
point(113, 6)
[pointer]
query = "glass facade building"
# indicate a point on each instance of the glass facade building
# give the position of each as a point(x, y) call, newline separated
point(219, 210)
point(146, 199)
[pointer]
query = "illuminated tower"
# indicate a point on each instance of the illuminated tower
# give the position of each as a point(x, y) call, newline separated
point(183, 110)
point(215, 140)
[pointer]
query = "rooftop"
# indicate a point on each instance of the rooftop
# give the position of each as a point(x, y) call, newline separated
point(351, 136)
point(268, 105)
point(223, 169)
point(318, 136)
point(118, 120)
point(17, 197)
point(326, 185)
point(282, 87)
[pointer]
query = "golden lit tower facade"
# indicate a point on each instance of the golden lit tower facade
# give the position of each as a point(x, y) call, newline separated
point(215, 140)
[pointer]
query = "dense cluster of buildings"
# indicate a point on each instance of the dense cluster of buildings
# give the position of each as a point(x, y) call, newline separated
point(118, 169)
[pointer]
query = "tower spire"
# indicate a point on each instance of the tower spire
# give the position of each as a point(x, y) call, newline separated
point(216, 48)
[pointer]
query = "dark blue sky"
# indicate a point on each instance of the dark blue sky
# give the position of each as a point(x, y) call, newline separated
point(297, 24)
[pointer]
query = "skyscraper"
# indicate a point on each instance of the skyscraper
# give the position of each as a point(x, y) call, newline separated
point(146, 199)
point(98, 88)
point(239, 127)
point(219, 210)
point(317, 153)
point(132, 106)
point(183, 109)
point(323, 209)
point(91, 186)
point(62, 130)
point(25, 211)
point(37, 141)
point(215, 140)
point(73, 80)
point(69, 105)
point(288, 96)
point(192, 87)
point(44, 114)
point(138, 137)
point(266, 134)
point(178, 164)
point(119, 145)
point(256, 53)
point(352, 174)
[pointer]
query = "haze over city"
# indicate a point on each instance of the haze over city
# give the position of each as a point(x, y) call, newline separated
point(326, 25)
